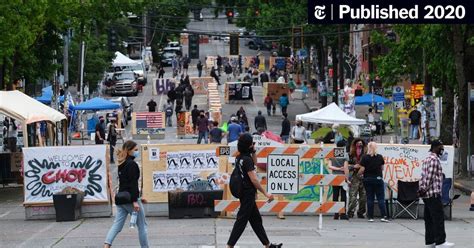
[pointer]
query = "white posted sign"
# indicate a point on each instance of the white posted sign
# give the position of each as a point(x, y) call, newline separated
point(282, 174)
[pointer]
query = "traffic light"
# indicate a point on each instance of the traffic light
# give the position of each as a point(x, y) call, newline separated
point(112, 39)
point(230, 15)
point(193, 46)
point(297, 38)
point(234, 44)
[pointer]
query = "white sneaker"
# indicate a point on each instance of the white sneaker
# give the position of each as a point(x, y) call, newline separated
point(445, 244)
point(431, 245)
point(384, 220)
point(371, 220)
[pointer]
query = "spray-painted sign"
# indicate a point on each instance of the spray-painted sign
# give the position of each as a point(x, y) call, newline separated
point(48, 170)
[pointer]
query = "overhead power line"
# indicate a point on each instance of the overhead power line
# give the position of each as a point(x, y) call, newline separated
point(221, 34)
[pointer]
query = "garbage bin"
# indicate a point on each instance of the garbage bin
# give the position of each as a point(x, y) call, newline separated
point(67, 206)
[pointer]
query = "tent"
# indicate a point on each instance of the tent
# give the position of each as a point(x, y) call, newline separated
point(26, 109)
point(47, 94)
point(366, 99)
point(96, 104)
point(122, 60)
point(330, 114)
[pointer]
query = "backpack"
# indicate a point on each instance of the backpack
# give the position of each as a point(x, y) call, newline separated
point(169, 111)
point(236, 182)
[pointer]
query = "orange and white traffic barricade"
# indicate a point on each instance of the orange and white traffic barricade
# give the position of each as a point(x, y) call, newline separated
point(284, 206)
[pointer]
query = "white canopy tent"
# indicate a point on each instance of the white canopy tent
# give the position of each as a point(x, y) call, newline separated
point(330, 114)
point(122, 60)
point(27, 110)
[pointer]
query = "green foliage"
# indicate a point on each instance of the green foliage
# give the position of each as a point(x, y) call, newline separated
point(32, 33)
point(405, 57)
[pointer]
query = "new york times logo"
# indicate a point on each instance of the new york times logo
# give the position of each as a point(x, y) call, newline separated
point(319, 12)
point(390, 11)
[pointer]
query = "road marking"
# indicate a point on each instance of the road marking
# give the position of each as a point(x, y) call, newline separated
point(36, 234)
point(5, 214)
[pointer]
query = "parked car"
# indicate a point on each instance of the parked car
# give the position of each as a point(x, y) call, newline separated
point(177, 50)
point(124, 82)
point(127, 107)
point(166, 58)
point(173, 44)
point(140, 71)
point(257, 43)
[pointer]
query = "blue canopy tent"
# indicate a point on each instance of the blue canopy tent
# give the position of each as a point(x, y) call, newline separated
point(94, 104)
point(46, 96)
point(369, 99)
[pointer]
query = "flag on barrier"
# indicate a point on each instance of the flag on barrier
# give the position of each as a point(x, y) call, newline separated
point(285, 206)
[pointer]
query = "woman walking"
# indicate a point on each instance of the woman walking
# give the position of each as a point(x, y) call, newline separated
point(358, 149)
point(129, 173)
point(372, 167)
point(248, 211)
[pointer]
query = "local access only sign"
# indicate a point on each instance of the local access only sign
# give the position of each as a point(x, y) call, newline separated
point(283, 174)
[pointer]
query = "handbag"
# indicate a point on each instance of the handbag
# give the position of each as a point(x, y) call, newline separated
point(122, 198)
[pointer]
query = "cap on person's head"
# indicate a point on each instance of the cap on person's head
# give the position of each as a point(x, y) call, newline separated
point(233, 118)
point(101, 118)
point(341, 143)
point(434, 144)
point(244, 143)
point(335, 126)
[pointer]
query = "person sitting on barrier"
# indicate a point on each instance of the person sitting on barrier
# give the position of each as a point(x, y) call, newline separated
point(372, 168)
point(337, 166)
point(358, 148)
point(129, 174)
point(248, 211)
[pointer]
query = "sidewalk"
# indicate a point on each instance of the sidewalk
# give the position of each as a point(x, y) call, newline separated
point(466, 185)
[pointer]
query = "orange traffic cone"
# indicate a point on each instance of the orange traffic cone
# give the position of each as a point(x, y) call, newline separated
point(472, 202)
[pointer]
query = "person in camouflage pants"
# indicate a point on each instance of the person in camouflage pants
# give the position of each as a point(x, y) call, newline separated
point(358, 148)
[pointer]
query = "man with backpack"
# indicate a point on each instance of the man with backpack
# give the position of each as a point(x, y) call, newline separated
point(168, 109)
point(244, 184)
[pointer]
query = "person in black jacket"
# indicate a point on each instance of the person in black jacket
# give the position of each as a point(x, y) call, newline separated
point(248, 211)
point(129, 173)
point(285, 128)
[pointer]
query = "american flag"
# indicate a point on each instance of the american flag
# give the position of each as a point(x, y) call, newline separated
point(150, 120)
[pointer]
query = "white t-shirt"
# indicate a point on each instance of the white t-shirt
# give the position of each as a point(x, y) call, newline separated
point(370, 117)
point(298, 133)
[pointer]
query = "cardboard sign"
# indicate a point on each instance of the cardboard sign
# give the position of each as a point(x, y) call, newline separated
point(283, 174)
point(223, 151)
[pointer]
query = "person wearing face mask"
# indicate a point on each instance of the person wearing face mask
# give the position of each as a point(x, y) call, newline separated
point(248, 211)
point(298, 133)
point(430, 190)
point(129, 174)
point(100, 131)
point(358, 149)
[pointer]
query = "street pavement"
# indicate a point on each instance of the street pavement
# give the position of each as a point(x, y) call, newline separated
point(294, 231)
